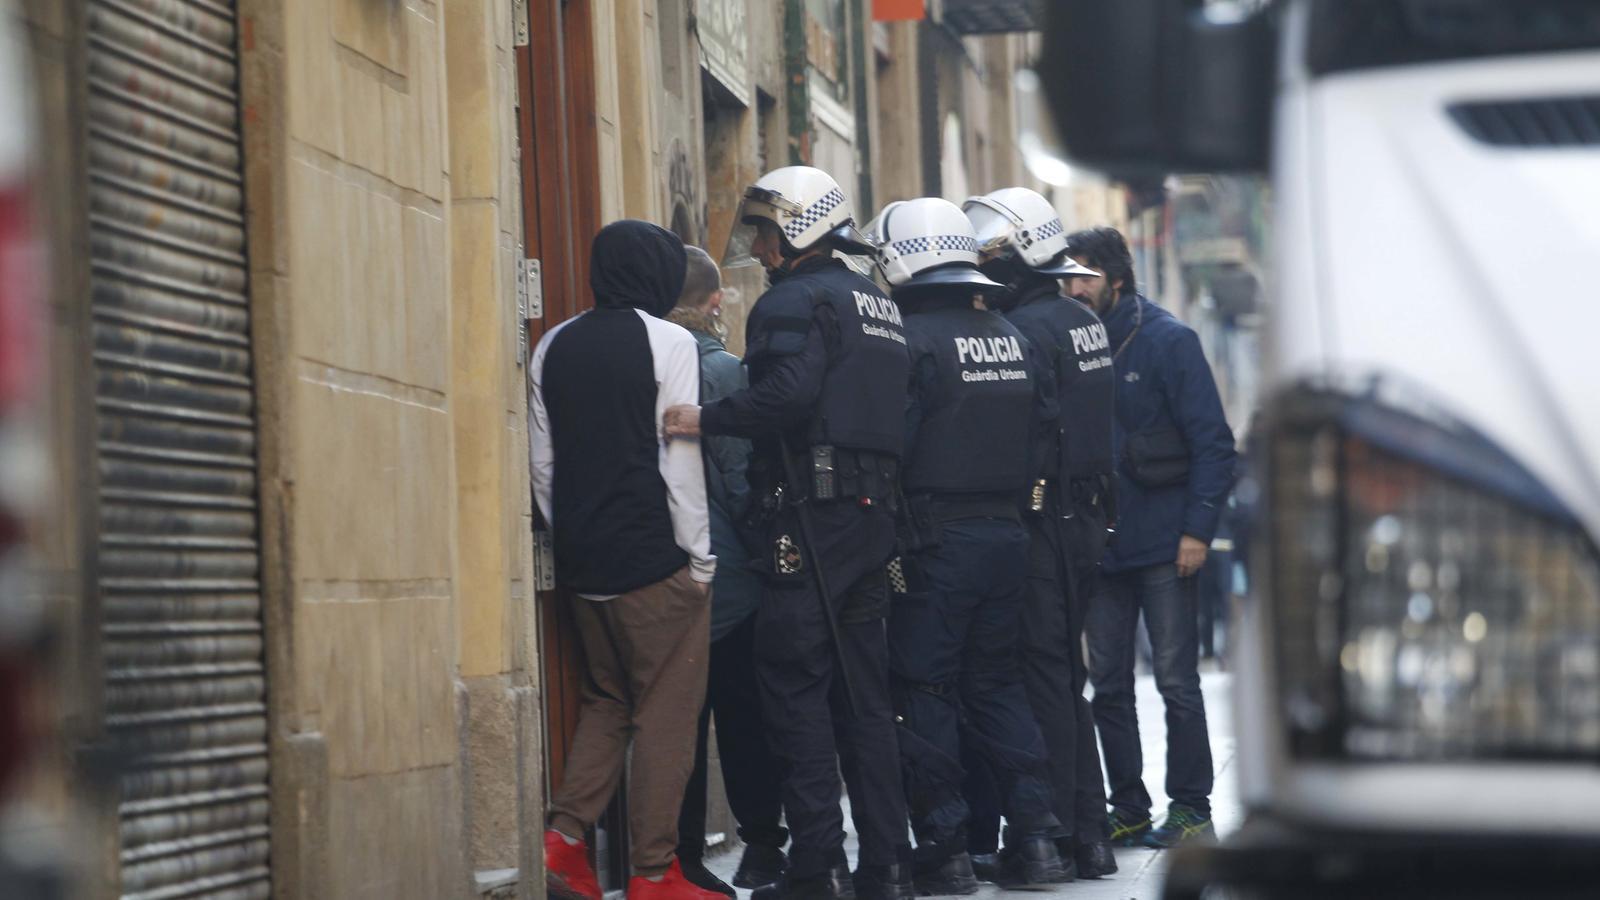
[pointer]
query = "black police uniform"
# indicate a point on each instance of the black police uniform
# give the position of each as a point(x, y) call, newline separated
point(977, 414)
point(828, 367)
point(1068, 538)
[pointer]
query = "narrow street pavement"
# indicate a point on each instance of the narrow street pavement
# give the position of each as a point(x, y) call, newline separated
point(1141, 870)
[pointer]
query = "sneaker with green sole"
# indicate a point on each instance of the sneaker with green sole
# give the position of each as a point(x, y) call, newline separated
point(1127, 829)
point(1181, 826)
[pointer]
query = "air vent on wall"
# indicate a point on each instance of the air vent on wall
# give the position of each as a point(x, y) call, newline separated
point(1548, 122)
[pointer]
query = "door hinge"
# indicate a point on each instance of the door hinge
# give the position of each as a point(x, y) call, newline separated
point(519, 23)
point(530, 301)
point(535, 278)
point(544, 561)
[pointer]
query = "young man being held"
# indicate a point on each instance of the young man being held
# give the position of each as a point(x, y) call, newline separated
point(627, 512)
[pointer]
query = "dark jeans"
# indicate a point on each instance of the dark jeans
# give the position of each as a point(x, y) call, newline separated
point(749, 770)
point(1168, 603)
point(953, 651)
point(1055, 673)
point(815, 733)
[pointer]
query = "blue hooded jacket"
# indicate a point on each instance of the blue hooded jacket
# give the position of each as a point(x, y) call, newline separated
point(1163, 381)
point(736, 590)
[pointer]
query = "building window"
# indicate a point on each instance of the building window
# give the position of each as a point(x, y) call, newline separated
point(672, 31)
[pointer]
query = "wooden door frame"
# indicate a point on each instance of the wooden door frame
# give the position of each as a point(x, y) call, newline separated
point(558, 131)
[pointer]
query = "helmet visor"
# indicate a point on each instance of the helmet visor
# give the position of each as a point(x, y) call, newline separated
point(741, 240)
point(848, 240)
point(993, 226)
point(759, 205)
point(865, 266)
point(875, 229)
point(877, 233)
point(756, 197)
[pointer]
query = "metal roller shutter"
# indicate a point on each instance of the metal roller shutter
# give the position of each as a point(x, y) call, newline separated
point(178, 557)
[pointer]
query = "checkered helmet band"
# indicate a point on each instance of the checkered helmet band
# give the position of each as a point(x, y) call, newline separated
point(813, 214)
point(940, 242)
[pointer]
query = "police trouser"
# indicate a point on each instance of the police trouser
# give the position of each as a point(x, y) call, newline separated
point(1062, 557)
point(1085, 543)
point(953, 655)
point(813, 730)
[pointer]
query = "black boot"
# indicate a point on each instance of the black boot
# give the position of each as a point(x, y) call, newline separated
point(885, 883)
point(1033, 864)
point(760, 865)
point(696, 873)
point(951, 877)
point(986, 866)
point(1093, 858)
point(834, 884)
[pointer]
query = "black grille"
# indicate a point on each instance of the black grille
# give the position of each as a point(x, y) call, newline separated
point(1550, 122)
point(993, 16)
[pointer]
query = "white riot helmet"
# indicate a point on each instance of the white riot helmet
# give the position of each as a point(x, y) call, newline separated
point(927, 242)
point(1021, 224)
point(806, 204)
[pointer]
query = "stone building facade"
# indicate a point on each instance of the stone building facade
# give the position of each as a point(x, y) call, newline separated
point(300, 249)
point(297, 643)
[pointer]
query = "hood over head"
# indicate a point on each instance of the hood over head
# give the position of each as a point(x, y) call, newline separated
point(637, 264)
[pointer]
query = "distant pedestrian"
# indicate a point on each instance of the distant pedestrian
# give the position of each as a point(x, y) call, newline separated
point(627, 512)
point(1175, 462)
point(750, 772)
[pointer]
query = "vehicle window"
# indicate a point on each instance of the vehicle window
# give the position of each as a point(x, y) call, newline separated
point(1363, 34)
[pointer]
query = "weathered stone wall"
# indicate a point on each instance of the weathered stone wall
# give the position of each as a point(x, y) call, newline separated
point(383, 205)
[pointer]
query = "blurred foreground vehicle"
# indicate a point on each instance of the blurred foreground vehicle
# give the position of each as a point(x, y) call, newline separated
point(26, 871)
point(1419, 665)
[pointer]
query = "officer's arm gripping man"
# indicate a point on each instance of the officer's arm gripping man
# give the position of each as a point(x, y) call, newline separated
point(787, 360)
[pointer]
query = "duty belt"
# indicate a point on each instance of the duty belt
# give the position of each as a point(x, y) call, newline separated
point(846, 474)
point(944, 508)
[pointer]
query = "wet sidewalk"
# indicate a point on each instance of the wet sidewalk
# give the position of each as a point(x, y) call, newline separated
point(1140, 870)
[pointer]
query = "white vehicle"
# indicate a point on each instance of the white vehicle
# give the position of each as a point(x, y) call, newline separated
point(1418, 682)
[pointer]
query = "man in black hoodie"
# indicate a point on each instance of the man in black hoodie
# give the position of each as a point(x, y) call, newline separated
point(632, 544)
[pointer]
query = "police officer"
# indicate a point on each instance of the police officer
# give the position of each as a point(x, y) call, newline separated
point(975, 417)
point(1023, 246)
point(828, 366)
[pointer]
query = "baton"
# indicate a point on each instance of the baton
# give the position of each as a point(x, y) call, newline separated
point(803, 514)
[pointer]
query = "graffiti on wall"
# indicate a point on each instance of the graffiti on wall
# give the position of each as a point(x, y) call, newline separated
point(683, 196)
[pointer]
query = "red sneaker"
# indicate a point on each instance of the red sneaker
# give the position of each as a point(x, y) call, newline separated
point(567, 873)
point(672, 886)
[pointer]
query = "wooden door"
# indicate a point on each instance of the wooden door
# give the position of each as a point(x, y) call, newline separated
point(561, 213)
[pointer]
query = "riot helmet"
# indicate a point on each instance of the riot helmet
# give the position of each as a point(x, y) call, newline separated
point(807, 207)
point(1020, 226)
point(925, 243)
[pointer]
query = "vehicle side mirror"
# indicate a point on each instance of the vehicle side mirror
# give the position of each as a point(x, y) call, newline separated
point(1147, 87)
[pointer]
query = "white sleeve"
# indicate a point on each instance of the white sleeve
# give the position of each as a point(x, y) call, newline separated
point(541, 452)
point(677, 364)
